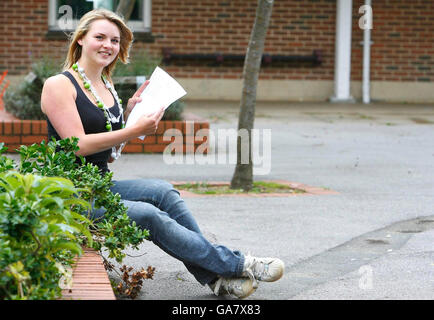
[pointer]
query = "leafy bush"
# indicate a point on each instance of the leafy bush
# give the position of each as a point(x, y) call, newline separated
point(141, 64)
point(24, 100)
point(38, 232)
point(45, 206)
point(116, 231)
point(174, 112)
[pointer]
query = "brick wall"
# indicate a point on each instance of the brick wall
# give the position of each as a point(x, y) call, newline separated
point(296, 28)
point(402, 51)
point(187, 138)
point(403, 38)
point(23, 25)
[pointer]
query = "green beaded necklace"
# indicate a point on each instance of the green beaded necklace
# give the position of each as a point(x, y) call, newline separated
point(100, 104)
point(110, 118)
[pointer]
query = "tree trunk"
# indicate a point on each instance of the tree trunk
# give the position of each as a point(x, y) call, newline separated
point(125, 8)
point(243, 175)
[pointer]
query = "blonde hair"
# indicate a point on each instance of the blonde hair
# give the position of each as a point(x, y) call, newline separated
point(126, 38)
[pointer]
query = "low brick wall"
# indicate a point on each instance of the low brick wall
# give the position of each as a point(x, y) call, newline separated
point(15, 133)
point(90, 280)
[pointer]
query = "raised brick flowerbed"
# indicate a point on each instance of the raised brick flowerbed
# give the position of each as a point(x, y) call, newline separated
point(89, 279)
point(15, 132)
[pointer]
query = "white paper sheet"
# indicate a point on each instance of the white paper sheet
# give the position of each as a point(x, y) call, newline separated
point(161, 91)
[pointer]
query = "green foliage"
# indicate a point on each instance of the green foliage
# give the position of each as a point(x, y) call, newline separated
point(116, 231)
point(45, 206)
point(141, 64)
point(38, 229)
point(174, 111)
point(24, 100)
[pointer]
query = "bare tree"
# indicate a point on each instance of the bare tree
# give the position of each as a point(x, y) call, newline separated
point(125, 8)
point(243, 175)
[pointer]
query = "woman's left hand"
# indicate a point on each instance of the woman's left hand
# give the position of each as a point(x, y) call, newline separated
point(135, 99)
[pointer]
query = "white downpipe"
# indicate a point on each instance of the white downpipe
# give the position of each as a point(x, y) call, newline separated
point(343, 52)
point(366, 86)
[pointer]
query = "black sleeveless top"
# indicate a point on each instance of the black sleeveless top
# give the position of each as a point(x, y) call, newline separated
point(93, 121)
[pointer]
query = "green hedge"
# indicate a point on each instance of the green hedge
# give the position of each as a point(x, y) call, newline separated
point(45, 205)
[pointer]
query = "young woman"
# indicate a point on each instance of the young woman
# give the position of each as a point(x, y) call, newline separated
point(82, 102)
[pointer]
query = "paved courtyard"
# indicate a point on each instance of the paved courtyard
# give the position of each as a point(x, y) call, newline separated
point(373, 239)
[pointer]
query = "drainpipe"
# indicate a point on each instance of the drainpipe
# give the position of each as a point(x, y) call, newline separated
point(343, 52)
point(367, 52)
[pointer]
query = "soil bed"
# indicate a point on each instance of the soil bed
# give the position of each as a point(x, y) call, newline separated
point(258, 188)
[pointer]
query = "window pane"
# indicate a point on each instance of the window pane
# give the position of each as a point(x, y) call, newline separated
point(137, 13)
point(108, 4)
point(79, 7)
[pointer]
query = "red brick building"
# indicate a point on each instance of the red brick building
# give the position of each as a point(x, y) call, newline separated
point(402, 53)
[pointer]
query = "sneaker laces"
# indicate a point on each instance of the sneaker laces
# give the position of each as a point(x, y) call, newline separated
point(252, 262)
point(218, 284)
point(229, 287)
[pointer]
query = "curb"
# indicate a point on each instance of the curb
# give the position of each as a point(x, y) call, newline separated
point(307, 190)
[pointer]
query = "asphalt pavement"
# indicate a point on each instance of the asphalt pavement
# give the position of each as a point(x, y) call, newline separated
point(374, 239)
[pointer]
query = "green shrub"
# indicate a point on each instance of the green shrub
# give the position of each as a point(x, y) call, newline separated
point(141, 64)
point(57, 158)
point(174, 112)
point(24, 100)
point(38, 232)
point(45, 206)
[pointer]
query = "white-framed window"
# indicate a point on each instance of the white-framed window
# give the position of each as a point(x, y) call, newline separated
point(65, 14)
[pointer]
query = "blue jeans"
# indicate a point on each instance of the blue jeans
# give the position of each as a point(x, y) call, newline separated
point(156, 206)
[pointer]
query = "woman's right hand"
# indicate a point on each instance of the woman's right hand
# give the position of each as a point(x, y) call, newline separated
point(135, 99)
point(148, 124)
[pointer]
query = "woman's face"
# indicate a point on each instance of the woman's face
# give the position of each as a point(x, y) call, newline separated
point(101, 43)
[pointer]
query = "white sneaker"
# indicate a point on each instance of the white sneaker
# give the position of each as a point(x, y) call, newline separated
point(236, 287)
point(263, 269)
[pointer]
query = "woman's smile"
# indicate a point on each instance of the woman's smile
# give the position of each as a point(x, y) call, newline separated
point(105, 53)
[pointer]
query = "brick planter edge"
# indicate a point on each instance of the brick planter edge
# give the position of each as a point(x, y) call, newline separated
point(90, 280)
point(15, 133)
